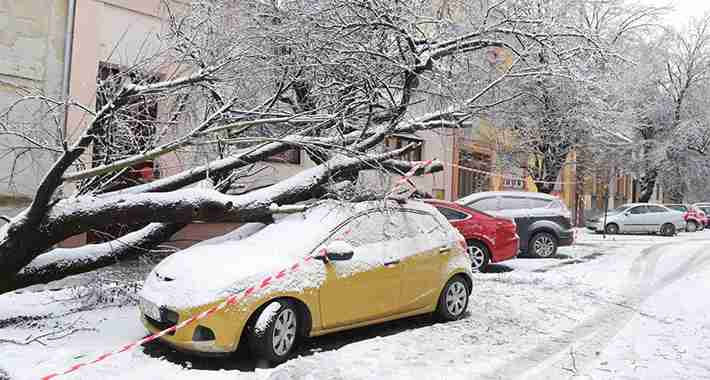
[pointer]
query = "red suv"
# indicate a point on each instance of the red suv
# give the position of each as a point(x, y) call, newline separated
point(695, 218)
point(490, 239)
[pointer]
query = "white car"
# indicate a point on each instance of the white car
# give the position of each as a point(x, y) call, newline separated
point(639, 218)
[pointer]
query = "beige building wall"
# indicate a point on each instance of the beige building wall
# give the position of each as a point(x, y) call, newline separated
point(31, 62)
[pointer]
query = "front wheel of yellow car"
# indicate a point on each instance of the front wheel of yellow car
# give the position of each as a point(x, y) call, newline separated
point(453, 300)
point(273, 335)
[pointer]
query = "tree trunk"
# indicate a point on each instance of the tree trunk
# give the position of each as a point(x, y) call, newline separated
point(647, 184)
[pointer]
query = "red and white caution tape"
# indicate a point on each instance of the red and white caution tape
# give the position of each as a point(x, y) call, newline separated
point(408, 175)
point(231, 300)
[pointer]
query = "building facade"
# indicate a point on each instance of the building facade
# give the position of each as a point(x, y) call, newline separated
point(61, 48)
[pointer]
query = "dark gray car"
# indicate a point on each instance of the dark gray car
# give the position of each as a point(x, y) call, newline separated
point(544, 222)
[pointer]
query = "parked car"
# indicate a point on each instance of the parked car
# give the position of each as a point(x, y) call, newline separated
point(489, 239)
point(639, 218)
point(695, 219)
point(705, 209)
point(372, 262)
point(543, 222)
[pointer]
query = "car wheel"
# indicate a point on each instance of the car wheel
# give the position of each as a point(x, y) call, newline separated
point(668, 229)
point(612, 229)
point(480, 257)
point(691, 226)
point(274, 333)
point(542, 245)
point(453, 300)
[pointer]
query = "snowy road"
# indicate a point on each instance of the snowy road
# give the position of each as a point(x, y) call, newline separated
point(628, 307)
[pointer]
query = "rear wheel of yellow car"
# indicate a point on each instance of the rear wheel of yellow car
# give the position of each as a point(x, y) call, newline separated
point(274, 333)
point(453, 300)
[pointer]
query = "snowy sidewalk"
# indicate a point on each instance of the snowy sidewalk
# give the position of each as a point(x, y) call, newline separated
point(625, 307)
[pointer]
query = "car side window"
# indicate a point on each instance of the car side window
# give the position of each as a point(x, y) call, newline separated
point(362, 230)
point(400, 225)
point(431, 228)
point(514, 203)
point(638, 210)
point(485, 204)
point(656, 209)
point(541, 203)
point(451, 214)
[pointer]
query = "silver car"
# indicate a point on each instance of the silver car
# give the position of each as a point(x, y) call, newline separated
point(639, 218)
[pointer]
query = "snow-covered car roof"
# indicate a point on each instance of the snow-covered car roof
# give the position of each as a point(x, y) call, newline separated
point(487, 194)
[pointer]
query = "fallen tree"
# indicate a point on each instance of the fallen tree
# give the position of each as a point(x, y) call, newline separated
point(249, 81)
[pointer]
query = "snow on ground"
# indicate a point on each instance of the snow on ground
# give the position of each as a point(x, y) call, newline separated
point(624, 307)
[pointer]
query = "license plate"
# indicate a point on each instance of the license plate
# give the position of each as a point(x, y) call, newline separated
point(150, 309)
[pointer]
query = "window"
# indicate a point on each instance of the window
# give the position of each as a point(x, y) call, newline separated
point(542, 203)
point(638, 210)
point(364, 229)
point(451, 214)
point(431, 227)
point(514, 203)
point(400, 225)
point(473, 173)
point(400, 141)
point(656, 209)
point(133, 129)
point(485, 204)
point(678, 207)
point(291, 156)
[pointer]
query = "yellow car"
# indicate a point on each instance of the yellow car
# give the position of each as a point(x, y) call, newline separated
point(372, 262)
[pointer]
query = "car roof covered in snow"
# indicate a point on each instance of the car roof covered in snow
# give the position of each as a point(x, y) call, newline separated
point(488, 194)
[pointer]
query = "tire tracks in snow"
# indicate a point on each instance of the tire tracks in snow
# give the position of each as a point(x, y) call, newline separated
point(552, 358)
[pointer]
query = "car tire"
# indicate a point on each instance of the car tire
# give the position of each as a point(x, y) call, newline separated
point(453, 301)
point(479, 254)
point(611, 229)
point(668, 229)
point(543, 245)
point(691, 226)
point(273, 335)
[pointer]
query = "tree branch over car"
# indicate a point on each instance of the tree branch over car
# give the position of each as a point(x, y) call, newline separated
point(334, 78)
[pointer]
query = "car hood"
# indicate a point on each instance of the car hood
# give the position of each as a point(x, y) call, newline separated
point(212, 270)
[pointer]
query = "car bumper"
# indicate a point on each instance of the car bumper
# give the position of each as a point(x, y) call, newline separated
point(226, 326)
point(566, 238)
point(507, 250)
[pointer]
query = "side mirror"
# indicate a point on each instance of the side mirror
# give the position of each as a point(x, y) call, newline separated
point(338, 250)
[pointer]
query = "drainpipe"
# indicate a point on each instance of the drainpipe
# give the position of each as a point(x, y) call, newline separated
point(68, 50)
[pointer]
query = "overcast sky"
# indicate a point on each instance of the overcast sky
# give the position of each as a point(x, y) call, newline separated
point(684, 9)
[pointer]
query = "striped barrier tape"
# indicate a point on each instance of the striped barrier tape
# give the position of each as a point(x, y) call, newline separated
point(231, 300)
point(408, 175)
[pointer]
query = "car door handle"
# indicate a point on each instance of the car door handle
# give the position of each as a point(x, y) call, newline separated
point(393, 262)
point(444, 249)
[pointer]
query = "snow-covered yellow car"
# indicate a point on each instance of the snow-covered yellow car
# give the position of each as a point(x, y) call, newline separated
point(373, 262)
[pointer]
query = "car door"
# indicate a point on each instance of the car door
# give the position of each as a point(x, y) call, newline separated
point(368, 286)
point(657, 216)
point(517, 208)
point(634, 219)
point(423, 250)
